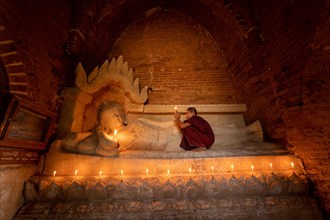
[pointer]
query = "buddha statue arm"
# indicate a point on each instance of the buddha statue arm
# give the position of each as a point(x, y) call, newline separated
point(106, 146)
point(155, 124)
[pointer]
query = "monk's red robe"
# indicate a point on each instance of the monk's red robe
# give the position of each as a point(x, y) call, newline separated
point(198, 134)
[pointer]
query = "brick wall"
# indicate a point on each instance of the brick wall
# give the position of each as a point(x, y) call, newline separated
point(33, 35)
point(285, 82)
point(177, 58)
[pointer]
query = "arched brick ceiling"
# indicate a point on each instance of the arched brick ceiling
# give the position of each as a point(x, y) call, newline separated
point(100, 23)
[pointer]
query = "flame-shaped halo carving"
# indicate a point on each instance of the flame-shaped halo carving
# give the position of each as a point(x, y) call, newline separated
point(115, 72)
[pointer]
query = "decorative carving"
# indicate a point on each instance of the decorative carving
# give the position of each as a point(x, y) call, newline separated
point(191, 189)
point(115, 72)
point(169, 190)
point(52, 192)
point(76, 192)
point(211, 188)
point(98, 192)
point(174, 188)
point(296, 185)
point(122, 191)
point(254, 185)
point(31, 192)
point(146, 191)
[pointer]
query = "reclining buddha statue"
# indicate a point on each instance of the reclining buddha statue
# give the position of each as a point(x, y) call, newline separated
point(114, 134)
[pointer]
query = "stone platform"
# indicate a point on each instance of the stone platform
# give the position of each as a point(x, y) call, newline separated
point(244, 207)
point(177, 163)
point(248, 184)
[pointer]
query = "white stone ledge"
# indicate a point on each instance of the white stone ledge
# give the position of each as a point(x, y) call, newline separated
point(209, 108)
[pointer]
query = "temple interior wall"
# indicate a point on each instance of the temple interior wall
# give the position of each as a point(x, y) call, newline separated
point(283, 79)
point(11, 187)
point(177, 70)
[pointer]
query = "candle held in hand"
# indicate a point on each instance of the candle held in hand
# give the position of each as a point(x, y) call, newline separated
point(114, 135)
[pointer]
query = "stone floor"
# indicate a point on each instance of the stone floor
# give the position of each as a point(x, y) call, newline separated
point(247, 207)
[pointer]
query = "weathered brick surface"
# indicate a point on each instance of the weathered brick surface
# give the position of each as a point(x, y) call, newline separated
point(39, 31)
point(286, 82)
point(177, 58)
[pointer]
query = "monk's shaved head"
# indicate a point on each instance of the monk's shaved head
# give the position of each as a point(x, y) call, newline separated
point(192, 110)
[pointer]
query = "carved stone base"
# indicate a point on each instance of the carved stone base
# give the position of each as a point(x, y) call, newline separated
point(266, 207)
point(187, 186)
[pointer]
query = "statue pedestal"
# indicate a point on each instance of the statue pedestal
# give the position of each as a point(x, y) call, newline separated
point(192, 185)
point(178, 163)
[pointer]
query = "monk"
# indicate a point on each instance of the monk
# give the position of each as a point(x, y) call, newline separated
point(197, 132)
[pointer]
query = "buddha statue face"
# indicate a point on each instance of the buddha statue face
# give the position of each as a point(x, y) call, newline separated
point(112, 119)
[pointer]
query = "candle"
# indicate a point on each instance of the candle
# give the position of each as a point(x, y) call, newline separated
point(232, 167)
point(75, 175)
point(100, 174)
point(121, 173)
point(212, 169)
point(271, 166)
point(292, 165)
point(190, 170)
point(252, 168)
point(147, 171)
point(168, 172)
point(54, 173)
point(176, 108)
point(114, 134)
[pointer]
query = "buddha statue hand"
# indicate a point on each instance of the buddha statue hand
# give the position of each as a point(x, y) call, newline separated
point(106, 146)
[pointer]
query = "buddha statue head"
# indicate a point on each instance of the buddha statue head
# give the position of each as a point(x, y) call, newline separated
point(111, 117)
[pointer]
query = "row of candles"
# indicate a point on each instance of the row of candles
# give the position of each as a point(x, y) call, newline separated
point(190, 170)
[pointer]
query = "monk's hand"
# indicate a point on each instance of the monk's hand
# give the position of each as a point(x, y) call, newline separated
point(176, 115)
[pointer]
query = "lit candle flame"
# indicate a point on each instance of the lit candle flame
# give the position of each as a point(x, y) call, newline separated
point(271, 166)
point(176, 108)
point(292, 165)
point(121, 172)
point(75, 173)
point(147, 171)
point(232, 167)
point(114, 134)
point(168, 171)
point(54, 173)
point(212, 168)
point(252, 168)
point(190, 170)
point(100, 173)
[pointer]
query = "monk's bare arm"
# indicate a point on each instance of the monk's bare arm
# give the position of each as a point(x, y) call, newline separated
point(182, 125)
point(177, 116)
